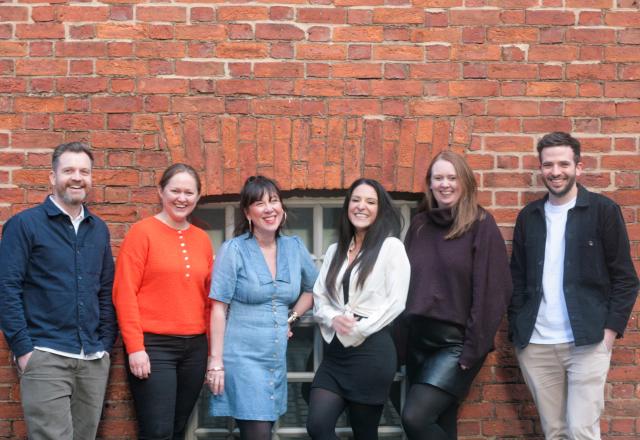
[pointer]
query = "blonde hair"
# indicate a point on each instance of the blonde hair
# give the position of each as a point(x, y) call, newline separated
point(466, 210)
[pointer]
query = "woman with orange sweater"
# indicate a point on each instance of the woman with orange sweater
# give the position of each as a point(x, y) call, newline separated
point(160, 292)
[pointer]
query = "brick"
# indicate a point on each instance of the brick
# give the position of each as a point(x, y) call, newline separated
point(244, 87)
point(13, 13)
point(13, 49)
point(396, 88)
point(398, 53)
point(474, 17)
point(322, 15)
point(555, 53)
point(473, 88)
point(162, 85)
point(512, 35)
point(318, 87)
point(629, 36)
point(199, 68)
point(28, 139)
point(36, 67)
point(513, 108)
point(374, 34)
point(200, 32)
point(54, 104)
point(241, 50)
point(400, 16)
point(81, 13)
point(622, 54)
point(624, 19)
point(622, 89)
point(512, 71)
point(174, 14)
point(432, 71)
point(509, 144)
point(590, 108)
point(167, 49)
point(197, 104)
point(430, 35)
point(278, 70)
point(621, 125)
point(476, 52)
point(591, 71)
point(591, 36)
point(121, 67)
point(434, 107)
point(550, 17)
point(551, 89)
point(40, 31)
point(279, 32)
point(242, 13)
point(76, 122)
point(113, 104)
point(81, 85)
point(321, 52)
point(357, 70)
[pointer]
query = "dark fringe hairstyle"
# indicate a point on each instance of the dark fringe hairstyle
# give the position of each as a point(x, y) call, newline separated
point(254, 189)
point(388, 223)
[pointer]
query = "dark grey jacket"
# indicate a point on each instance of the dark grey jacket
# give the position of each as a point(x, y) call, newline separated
point(600, 282)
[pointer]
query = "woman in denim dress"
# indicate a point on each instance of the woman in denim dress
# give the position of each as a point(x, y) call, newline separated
point(257, 276)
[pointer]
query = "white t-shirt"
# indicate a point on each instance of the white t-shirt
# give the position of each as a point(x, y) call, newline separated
point(552, 324)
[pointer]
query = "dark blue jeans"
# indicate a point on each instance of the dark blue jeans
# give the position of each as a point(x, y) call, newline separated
point(164, 401)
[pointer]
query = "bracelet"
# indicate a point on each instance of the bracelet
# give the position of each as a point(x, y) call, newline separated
point(293, 317)
point(221, 368)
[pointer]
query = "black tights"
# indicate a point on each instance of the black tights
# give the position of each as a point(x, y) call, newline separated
point(254, 429)
point(430, 413)
point(324, 409)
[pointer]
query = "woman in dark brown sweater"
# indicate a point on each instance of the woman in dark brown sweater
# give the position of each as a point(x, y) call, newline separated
point(460, 287)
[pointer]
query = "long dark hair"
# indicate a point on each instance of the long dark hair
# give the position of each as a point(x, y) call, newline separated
point(255, 187)
point(388, 223)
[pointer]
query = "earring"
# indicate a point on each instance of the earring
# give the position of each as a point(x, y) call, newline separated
point(250, 226)
point(284, 220)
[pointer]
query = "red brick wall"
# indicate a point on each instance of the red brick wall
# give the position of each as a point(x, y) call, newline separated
point(316, 94)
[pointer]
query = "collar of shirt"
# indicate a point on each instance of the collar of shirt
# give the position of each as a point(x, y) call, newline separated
point(74, 221)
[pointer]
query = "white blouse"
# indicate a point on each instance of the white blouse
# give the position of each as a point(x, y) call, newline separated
point(381, 299)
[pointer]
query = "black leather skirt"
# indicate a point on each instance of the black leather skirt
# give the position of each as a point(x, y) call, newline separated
point(434, 351)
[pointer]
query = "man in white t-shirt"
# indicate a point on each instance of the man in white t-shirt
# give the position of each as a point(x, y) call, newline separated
point(574, 288)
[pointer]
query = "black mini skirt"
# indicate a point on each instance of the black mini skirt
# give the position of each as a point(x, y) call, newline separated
point(433, 353)
point(361, 374)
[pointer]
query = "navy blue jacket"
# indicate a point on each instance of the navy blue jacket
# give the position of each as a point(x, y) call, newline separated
point(600, 282)
point(55, 286)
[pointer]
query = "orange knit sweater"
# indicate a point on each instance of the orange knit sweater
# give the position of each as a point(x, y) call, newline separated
point(162, 282)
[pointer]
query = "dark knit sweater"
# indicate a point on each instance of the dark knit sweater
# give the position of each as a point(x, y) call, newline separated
point(465, 280)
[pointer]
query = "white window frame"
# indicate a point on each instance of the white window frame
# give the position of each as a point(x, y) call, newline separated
point(194, 432)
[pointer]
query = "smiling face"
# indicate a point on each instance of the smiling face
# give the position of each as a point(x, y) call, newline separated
point(559, 173)
point(265, 214)
point(179, 198)
point(363, 207)
point(71, 180)
point(444, 184)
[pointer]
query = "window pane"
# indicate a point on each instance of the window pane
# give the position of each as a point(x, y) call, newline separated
point(300, 223)
point(330, 222)
point(212, 221)
point(300, 349)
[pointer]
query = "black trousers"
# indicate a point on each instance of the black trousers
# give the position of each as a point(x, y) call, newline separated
point(165, 399)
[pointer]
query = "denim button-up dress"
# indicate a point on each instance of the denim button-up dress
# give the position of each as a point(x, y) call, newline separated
point(255, 342)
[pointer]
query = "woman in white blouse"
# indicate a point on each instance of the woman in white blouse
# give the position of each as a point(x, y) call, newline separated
point(361, 288)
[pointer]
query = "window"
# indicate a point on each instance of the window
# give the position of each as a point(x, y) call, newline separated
point(315, 221)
